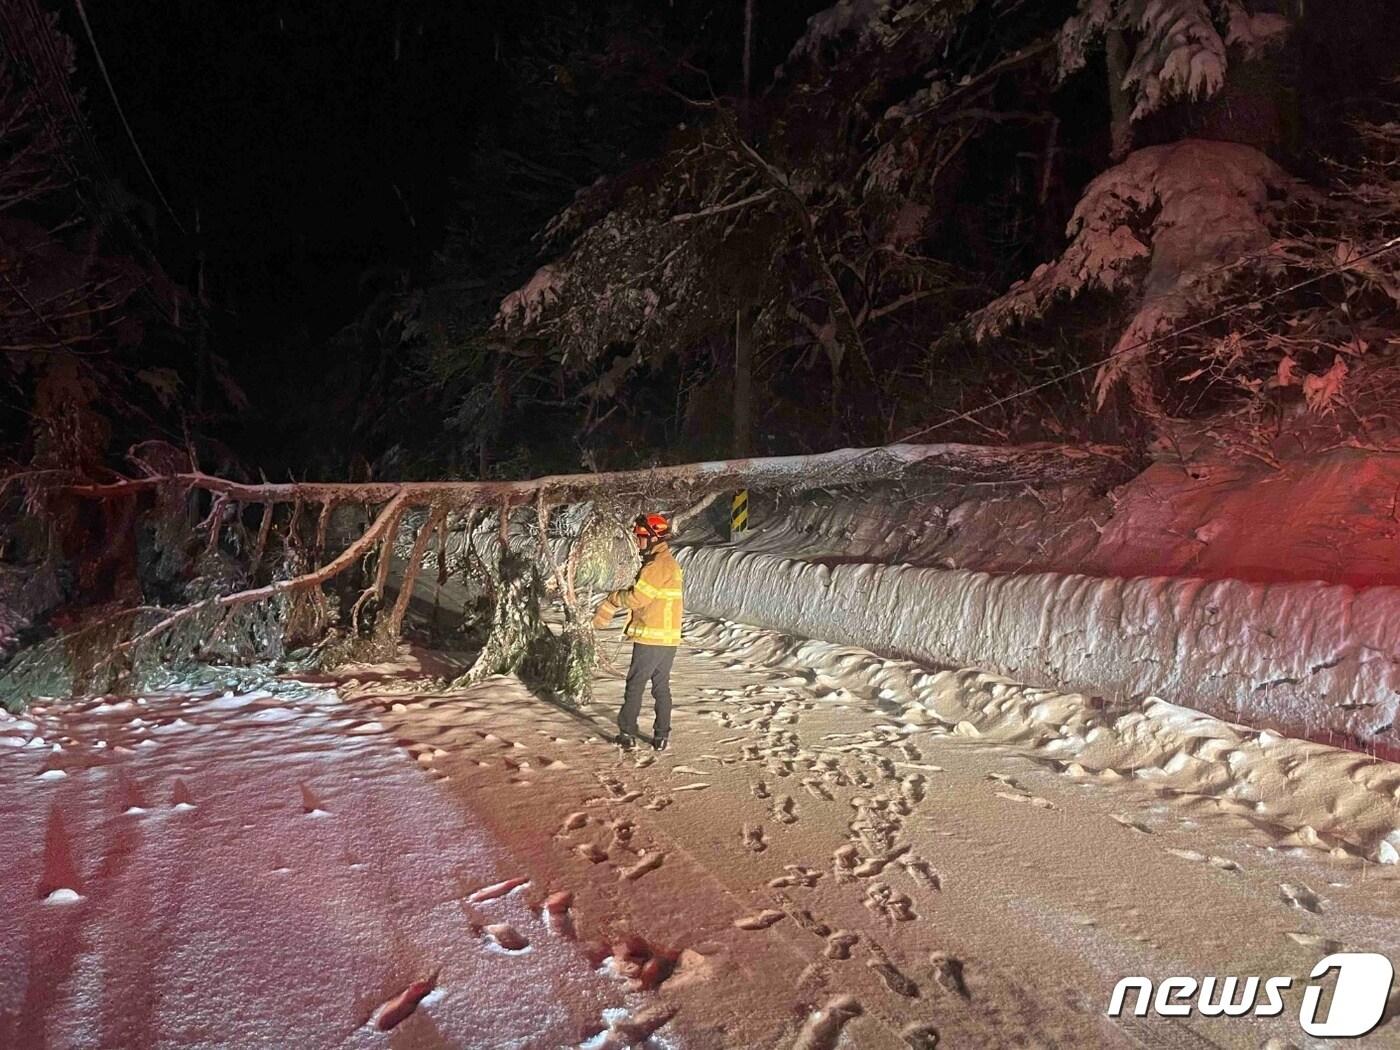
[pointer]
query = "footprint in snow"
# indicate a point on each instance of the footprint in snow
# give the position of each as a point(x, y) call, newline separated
point(497, 889)
point(893, 979)
point(614, 800)
point(1316, 941)
point(839, 945)
point(823, 1028)
point(804, 918)
point(913, 787)
point(59, 883)
point(761, 921)
point(919, 1036)
point(622, 834)
point(873, 866)
point(310, 804)
point(1132, 825)
point(922, 872)
point(886, 768)
point(132, 799)
point(785, 811)
point(797, 875)
point(393, 1012)
point(753, 838)
point(1301, 896)
point(1223, 863)
point(506, 936)
point(948, 972)
point(557, 911)
point(889, 903)
point(626, 1030)
point(590, 852)
point(649, 862)
point(1034, 800)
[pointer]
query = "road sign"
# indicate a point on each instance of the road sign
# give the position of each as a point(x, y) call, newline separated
point(739, 514)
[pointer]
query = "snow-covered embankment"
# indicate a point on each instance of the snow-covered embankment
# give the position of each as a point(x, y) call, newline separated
point(1308, 659)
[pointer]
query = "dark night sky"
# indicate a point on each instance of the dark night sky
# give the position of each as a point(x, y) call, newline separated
point(289, 125)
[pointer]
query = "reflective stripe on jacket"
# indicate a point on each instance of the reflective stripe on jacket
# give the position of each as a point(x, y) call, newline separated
point(655, 600)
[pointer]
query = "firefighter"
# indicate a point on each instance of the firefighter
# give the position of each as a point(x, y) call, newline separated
point(653, 624)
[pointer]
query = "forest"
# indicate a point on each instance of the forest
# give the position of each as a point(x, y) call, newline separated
point(1161, 227)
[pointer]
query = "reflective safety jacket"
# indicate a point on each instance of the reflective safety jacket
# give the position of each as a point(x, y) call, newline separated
point(654, 600)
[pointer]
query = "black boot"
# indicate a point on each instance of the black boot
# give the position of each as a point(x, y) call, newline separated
point(625, 741)
point(661, 743)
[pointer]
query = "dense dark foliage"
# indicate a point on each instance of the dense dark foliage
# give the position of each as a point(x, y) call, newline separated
point(551, 222)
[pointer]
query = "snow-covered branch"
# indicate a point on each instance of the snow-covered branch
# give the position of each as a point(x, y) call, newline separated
point(1048, 462)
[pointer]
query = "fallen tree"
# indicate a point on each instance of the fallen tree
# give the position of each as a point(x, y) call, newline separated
point(266, 547)
point(1025, 464)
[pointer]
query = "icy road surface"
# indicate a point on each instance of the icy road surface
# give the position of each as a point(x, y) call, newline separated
point(840, 851)
point(258, 871)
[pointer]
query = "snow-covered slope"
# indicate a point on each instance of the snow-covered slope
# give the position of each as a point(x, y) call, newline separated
point(1307, 658)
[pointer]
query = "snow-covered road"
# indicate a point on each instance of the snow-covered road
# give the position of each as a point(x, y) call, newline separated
point(255, 871)
point(838, 852)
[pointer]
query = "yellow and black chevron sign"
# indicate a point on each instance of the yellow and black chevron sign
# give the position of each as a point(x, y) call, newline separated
point(739, 513)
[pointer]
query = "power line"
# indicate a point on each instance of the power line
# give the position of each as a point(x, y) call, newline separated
point(1147, 344)
point(131, 136)
point(30, 41)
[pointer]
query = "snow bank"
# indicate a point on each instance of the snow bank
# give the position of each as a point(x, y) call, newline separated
point(1305, 658)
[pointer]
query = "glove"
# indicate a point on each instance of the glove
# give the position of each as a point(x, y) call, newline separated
point(602, 617)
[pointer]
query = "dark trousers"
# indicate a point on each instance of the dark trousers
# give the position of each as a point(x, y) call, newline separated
point(649, 663)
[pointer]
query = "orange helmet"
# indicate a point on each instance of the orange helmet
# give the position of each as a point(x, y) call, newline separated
point(651, 526)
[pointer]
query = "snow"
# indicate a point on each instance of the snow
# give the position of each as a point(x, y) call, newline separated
point(878, 849)
point(1313, 795)
point(1304, 657)
point(184, 940)
point(1208, 203)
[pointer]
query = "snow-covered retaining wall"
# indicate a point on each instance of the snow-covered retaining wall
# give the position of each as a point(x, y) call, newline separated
point(1309, 659)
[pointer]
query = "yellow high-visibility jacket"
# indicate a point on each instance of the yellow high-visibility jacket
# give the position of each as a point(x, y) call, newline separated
point(655, 601)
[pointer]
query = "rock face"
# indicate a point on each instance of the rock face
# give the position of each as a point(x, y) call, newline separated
point(1307, 658)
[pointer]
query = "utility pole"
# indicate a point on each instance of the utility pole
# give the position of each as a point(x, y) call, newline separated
point(743, 322)
point(748, 51)
point(201, 334)
point(743, 383)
